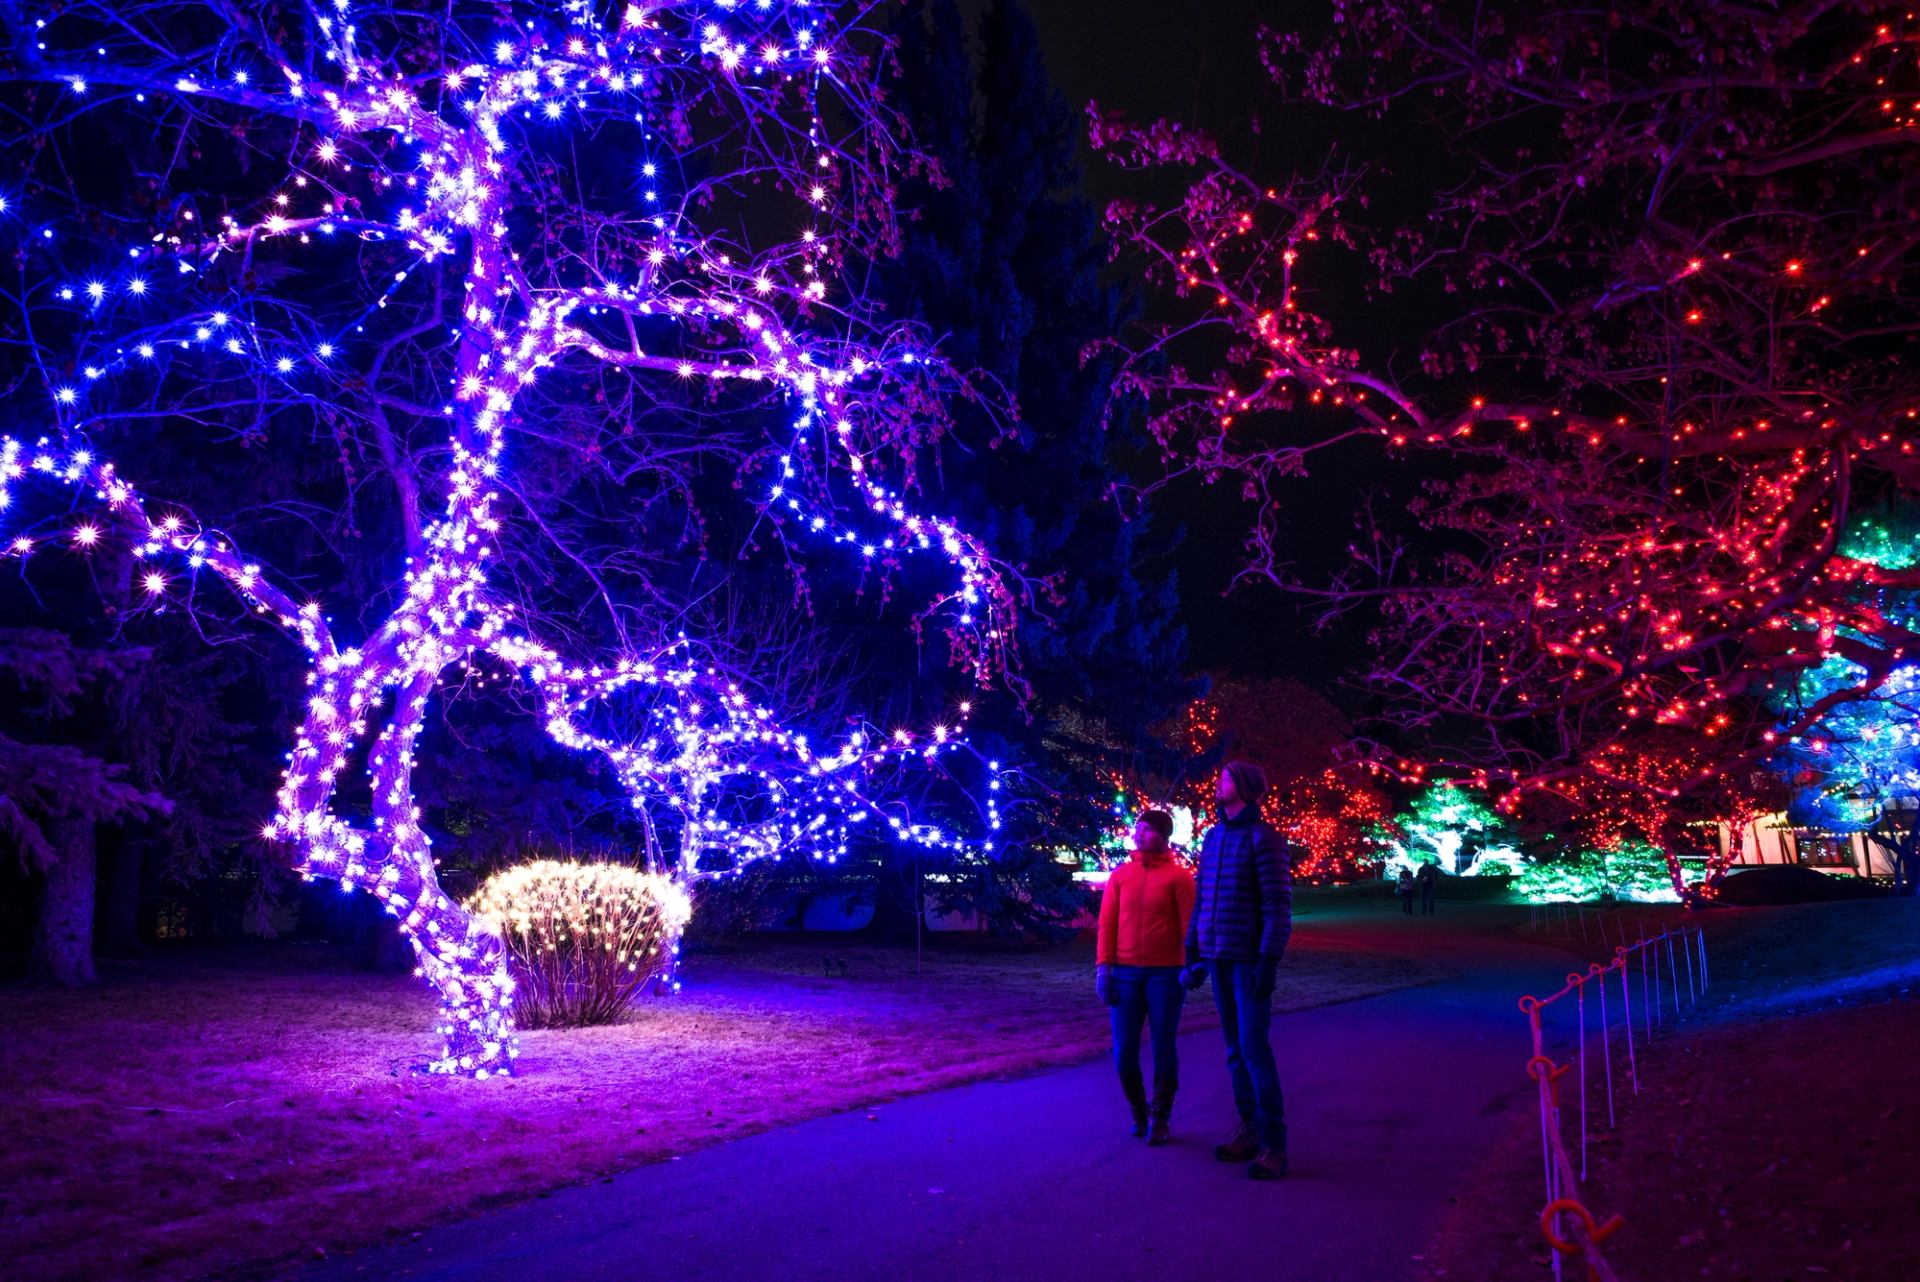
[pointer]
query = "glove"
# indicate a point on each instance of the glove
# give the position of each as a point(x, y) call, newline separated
point(1265, 972)
point(1193, 976)
point(1103, 986)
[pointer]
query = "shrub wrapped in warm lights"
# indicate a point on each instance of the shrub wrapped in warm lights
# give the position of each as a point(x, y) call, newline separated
point(582, 939)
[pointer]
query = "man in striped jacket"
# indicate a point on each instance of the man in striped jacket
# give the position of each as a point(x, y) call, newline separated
point(1237, 936)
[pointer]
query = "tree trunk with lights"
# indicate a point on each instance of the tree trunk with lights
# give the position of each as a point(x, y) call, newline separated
point(523, 305)
point(898, 909)
point(1903, 851)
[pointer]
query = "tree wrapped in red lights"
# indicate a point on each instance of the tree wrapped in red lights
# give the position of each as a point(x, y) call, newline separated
point(411, 258)
point(1333, 811)
point(1338, 822)
point(1640, 277)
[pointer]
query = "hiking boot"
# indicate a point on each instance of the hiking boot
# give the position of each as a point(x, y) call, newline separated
point(1160, 1115)
point(1270, 1164)
point(1245, 1144)
point(1136, 1093)
point(1162, 1110)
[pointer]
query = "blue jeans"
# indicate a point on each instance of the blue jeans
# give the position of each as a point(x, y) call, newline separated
point(1245, 1021)
point(1149, 995)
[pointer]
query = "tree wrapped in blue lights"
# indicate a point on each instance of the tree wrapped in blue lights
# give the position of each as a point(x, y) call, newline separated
point(462, 237)
point(1858, 760)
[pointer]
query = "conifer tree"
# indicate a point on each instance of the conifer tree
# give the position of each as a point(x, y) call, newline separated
point(1004, 260)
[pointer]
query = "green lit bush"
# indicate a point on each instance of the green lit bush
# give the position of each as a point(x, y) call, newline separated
point(1633, 870)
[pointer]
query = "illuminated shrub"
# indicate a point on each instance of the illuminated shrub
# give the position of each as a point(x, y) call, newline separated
point(582, 939)
point(1632, 870)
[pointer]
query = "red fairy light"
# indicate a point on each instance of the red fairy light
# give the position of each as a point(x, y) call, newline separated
point(1614, 599)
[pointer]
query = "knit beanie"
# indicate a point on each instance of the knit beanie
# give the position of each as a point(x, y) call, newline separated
point(1160, 821)
point(1249, 782)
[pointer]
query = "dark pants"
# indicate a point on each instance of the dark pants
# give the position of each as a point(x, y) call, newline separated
point(1150, 996)
point(1245, 1020)
point(1406, 902)
point(1426, 899)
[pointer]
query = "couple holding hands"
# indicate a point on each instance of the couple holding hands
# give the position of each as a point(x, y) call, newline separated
point(1164, 931)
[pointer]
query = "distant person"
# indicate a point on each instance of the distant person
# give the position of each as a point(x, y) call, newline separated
point(1428, 879)
point(1143, 925)
point(1237, 937)
point(1404, 888)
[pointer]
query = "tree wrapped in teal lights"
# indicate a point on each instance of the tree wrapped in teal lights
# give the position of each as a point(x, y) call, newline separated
point(1861, 760)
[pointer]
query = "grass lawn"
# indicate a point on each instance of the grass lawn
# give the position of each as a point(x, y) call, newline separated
point(1774, 1138)
point(217, 1114)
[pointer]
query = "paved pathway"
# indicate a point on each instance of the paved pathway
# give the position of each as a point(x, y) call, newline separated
point(1391, 1101)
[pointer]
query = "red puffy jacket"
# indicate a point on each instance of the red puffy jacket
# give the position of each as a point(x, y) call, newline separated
point(1144, 912)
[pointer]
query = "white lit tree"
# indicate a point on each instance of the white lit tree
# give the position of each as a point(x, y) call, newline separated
point(1451, 827)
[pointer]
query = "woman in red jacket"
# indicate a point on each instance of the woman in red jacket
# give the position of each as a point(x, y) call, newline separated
point(1143, 929)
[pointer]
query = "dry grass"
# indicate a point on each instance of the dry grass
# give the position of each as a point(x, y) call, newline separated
point(1775, 959)
point(1773, 1139)
point(216, 1115)
point(1781, 1149)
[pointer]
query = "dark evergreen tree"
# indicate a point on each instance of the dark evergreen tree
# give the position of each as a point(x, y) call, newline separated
point(1003, 261)
point(57, 785)
point(121, 757)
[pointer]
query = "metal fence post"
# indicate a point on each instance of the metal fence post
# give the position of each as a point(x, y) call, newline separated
point(1570, 1228)
point(1693, 994)
point(1606, 1044)
point(1626, 1010)
point(1580, 1042)
point(1651, 957)
point(1673, 973)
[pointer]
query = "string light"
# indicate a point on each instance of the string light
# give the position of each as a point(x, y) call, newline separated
point(1642, 547)
point(1336, 821)
point(585, 937)
point(1864, 754)
point(1633, 870)
point(446, 178)
point(1449, 826)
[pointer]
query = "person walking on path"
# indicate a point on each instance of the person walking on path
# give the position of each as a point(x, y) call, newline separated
point(1404, 888)
point(1428, 879)
point(1237, 937)
point(1143, 927)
